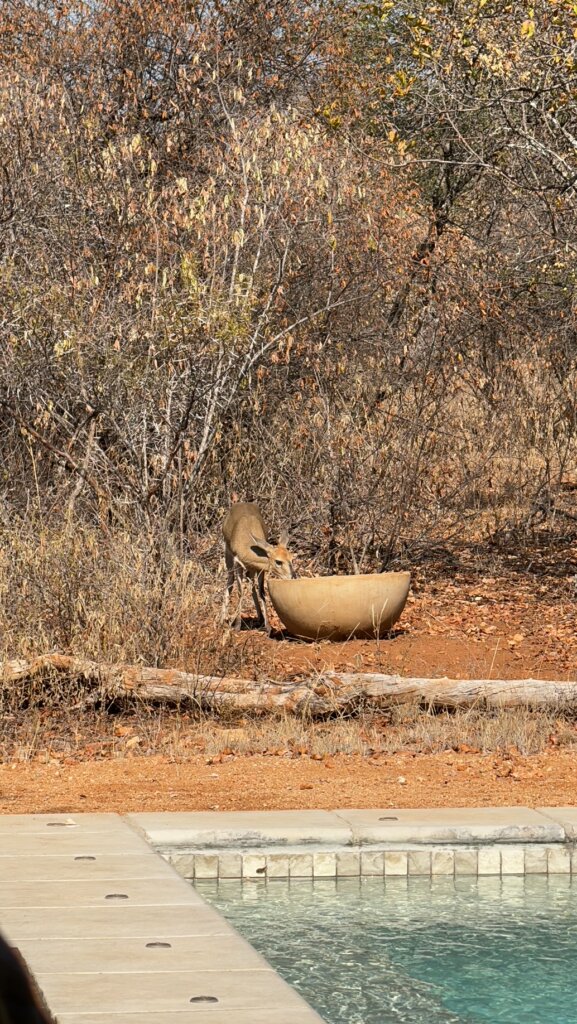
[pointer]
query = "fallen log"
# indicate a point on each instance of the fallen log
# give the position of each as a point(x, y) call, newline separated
point(319, 696)
point(462, 693)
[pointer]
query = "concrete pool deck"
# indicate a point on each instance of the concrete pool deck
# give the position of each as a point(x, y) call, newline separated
point(112, 932)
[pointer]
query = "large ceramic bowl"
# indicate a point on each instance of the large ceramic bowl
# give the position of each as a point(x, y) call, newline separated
point(339, 607)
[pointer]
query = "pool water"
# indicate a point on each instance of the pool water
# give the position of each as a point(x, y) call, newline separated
point(417, 951)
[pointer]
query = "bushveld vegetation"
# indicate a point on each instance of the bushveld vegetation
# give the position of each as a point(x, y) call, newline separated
point(319, 254)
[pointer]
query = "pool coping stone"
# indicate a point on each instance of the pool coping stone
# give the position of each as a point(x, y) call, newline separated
point(242, 829)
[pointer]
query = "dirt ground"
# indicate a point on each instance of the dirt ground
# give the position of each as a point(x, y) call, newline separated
point(259, 782)
point(515, 624)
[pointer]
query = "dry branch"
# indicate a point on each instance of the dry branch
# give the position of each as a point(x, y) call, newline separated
point(318, 696)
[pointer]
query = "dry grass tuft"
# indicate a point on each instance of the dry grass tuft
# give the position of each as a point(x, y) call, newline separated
point(46, 734)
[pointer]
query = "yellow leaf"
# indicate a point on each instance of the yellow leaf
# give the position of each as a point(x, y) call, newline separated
point(528, 28)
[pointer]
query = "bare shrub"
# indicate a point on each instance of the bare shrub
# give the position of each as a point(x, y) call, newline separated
point(114, 598)
point(310, 254)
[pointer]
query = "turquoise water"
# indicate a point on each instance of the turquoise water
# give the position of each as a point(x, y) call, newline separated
point(417, 951)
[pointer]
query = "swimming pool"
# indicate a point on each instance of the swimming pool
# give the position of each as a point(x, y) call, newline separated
point(424, 951)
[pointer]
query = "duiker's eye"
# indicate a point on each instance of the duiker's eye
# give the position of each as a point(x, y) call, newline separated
point(278, 561)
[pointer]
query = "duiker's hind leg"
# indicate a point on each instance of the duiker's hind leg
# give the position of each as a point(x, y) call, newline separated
point(234, 573)
point(259, 598)
point(229, 559)
point(239, 576)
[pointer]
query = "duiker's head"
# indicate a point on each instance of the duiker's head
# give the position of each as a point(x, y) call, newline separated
point(278, 558)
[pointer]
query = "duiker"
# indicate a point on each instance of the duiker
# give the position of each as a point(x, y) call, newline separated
point(249, 554)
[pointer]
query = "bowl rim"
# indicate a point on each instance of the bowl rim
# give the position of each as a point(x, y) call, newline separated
point(344, 577)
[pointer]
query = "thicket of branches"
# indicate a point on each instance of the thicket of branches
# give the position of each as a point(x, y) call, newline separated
point(320, 254)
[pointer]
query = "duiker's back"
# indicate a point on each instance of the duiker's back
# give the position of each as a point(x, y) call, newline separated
point(243, 522)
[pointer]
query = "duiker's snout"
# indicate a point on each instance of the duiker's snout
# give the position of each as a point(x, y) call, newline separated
point(281, 563)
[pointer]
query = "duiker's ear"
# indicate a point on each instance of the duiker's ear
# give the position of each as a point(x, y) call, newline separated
point(258, 549)
point(284, 538)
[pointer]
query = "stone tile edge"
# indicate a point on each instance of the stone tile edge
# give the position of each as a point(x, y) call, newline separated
point(381, 860)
